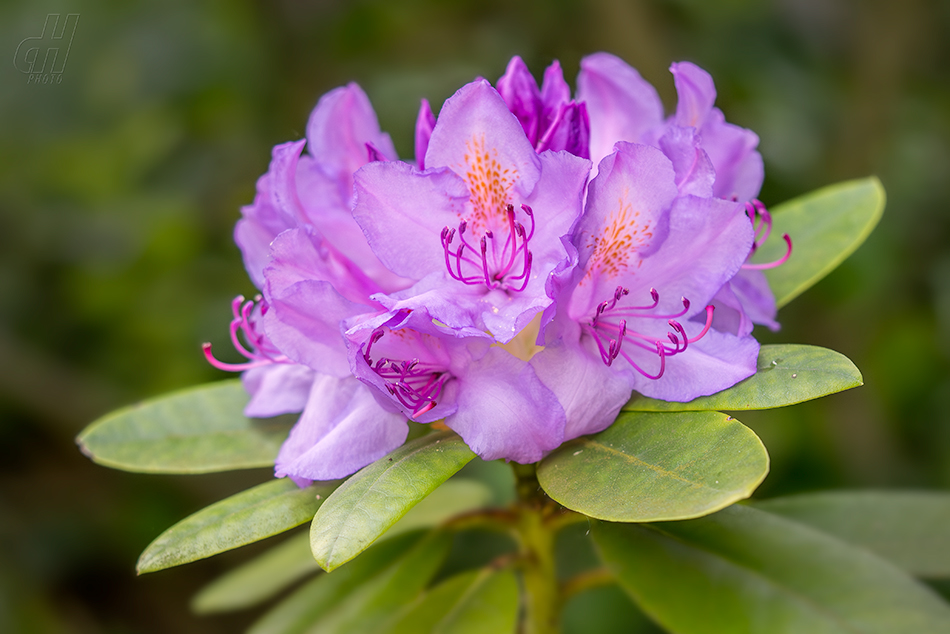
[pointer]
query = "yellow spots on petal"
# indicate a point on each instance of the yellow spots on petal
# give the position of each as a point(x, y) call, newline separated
point(489, 184)
point(614, 249)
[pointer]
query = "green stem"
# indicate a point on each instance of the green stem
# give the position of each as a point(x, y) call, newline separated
point(536, 541)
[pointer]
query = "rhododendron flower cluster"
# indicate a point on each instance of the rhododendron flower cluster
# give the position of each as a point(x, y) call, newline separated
point(541, 259)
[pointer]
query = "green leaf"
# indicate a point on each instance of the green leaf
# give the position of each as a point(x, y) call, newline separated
point(657, 466)
point(481, 601)
point(453, 498)
point(259, 579)
point(371, 501)
point(786, 374)
point(249, 516)
point(198, 430)
point(372, 605)
point(745, 570)
point(826, 226)
point(909, 528)
point(319, 596)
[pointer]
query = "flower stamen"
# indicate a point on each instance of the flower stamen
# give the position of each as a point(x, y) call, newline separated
point(609, 336)
point(261, 353)
point(493, 263)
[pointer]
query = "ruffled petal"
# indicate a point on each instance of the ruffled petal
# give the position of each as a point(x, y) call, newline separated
point(716, 362)
point(278, 388)
point(339, 129)
point(505, 411)
point(590, 393)
point(425, 123)
point(622, 105)
point(520, 91)
point(696, 94)
point(275, 209)
point(477, 137)
point(341, 430)
point(402, 212)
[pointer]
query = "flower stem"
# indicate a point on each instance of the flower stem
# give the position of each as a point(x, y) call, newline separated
point(536, 542)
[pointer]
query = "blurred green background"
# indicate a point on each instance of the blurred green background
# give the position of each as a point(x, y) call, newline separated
point(119, 188)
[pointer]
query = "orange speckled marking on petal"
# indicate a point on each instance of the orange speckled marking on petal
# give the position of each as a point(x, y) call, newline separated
point(616, 245)
point(488, 183)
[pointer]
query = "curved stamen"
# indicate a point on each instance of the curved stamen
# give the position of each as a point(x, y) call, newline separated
point(609, 336)
point(261, 351)
point(493, 263)
point(415, 385)
point(772, 265)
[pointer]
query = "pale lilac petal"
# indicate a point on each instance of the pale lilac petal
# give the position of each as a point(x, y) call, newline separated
point(729, 315)
point(708, 242)
point(341, 234)
point(568, 131)
point(425, 123)
point(753, 292)
point(402, 212)
point(695, 173)
point(590, 393)
point(556, 206)
point(696, 94)
point(341, 430)
point(337, 133)
point(624, 222)
point(278, 388)
point(715, 362)
point(622, 105)
point(275, 209)
point(505, 411)
point(477, 137)
point(554, 92)
point(304, 321)
point(739, 169)
point(520, 91)
point(302, 254)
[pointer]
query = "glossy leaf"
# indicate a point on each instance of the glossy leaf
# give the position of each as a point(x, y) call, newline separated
point(657, 466)
point(371, 501)
point(476, 602)
point(259, 579)
point(826, 226)
point(319, 596)
point(747, 571)
point(371, 606)
point(249, 516)
point(909, 528)
point(786, 374)
point(198, 430)
point(452, 498)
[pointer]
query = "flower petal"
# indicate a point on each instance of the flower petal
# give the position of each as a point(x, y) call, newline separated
point(505, 411)
point(342, 429)
point(590, 393)
point(696, 94)
point(477, 137)
point(278, 388)
point(402, 212)
point(622, 105)
point(337, 133)
point(425, 122)
point(275, 209)
point(520, 91)
point(717, 361)
point(695, 173)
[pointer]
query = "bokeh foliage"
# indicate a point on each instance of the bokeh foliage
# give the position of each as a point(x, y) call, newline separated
point(119, 188)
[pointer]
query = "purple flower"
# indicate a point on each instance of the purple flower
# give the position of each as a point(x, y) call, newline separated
point(635, 314)
point(492, 399)
point(482, 226)
point(707, 152)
